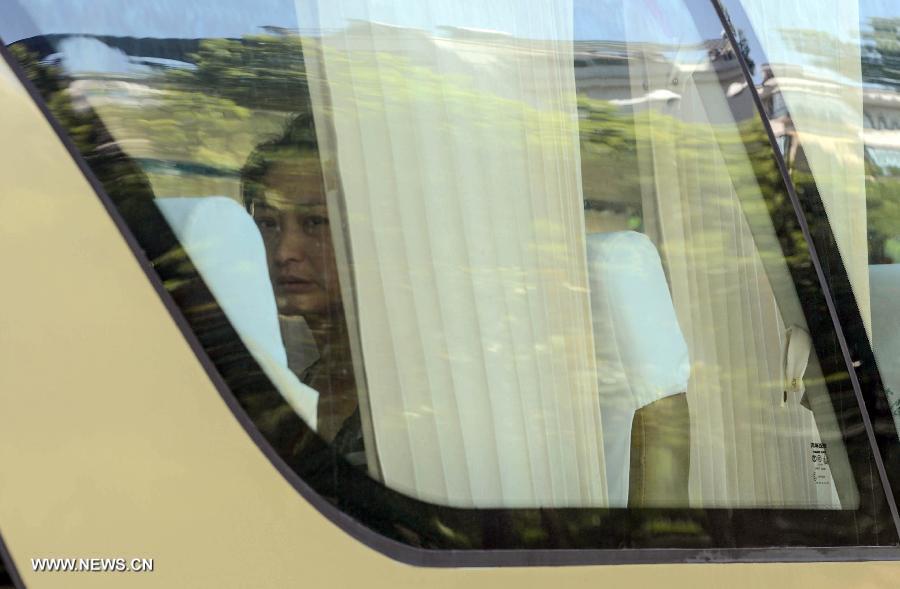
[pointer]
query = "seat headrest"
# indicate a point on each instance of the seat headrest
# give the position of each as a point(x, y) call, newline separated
point(227, 250)
point(639, 344)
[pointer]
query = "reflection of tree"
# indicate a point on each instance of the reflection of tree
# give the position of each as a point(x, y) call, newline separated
point(612, 141)
point(743, 43)
point(124, 182)
point(264, 72)
point(46, 78)
point(193, 127)
point(883, 206)
point(609, 163)
point(744, 48)
point(880, 50)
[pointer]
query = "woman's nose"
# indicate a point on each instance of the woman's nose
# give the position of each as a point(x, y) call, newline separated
point(298, 241)
point(293, 246)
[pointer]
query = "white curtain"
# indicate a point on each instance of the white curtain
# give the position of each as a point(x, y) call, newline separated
point(454, 127)
point(748, 447)
point(815, 58)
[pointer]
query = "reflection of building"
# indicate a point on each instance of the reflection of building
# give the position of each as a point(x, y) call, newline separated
point(638, 75)
point(635, 76)
point(882, 128)
point(618, 83)
point(882, 108)
point(881, 112)
point(838, 131)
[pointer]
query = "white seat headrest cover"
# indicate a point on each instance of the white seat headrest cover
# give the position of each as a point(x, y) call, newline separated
point(227, 250)
point(640, 348)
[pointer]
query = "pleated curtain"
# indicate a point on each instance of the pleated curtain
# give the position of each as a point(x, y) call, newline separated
point(748, 447)
point(463, 238)
point(815, 57)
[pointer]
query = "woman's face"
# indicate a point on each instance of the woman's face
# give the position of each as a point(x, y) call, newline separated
point(292, 217)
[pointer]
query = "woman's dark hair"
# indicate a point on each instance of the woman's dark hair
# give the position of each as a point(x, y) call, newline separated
point(298, 137)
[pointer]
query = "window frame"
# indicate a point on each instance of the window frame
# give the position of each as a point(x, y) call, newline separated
point(736, 535)
point(9, 574)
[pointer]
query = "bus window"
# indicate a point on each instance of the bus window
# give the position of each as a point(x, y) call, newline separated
point(518, 278)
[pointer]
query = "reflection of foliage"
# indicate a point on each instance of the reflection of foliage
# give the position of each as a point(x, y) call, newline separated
point(189, 126)
point(743, 44)
point(880, 50)
point(744, 48)
point(45, 78)
point(608, 153)
point(822, 47)
point(195, 126)
point(883, 205)
point(125, 182)
point(264, 72)
point(733, 170)
point(239, 92)
point(199, 124)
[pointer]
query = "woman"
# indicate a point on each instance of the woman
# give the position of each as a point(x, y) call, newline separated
point(283, 187)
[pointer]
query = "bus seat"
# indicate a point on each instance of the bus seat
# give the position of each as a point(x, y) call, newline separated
point(227, 250)
point(641, 353)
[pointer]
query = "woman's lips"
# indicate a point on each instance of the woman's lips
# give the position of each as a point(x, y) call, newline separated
point(296, 285)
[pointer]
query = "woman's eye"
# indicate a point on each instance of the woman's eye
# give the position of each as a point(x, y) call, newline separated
point(315, 221)
point(266, 224)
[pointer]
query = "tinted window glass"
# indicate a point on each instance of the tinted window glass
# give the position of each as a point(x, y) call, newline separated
point(826, 82)
point(481, 275)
